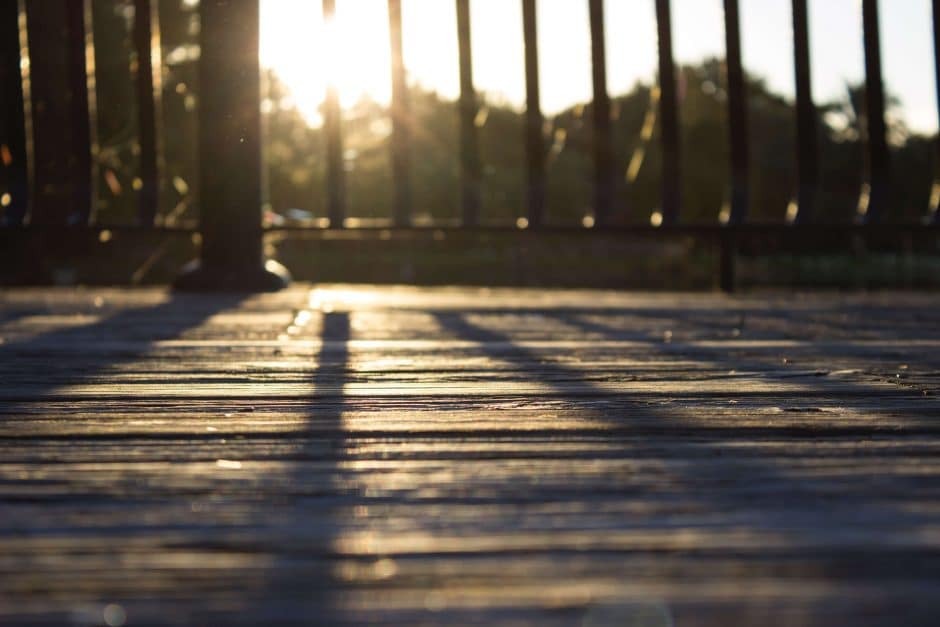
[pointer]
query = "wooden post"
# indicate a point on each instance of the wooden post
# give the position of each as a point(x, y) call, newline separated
point(470, 168)
point(934, 209)
point(230, 153)
point(401, 132)
point(737, 115)
point(604, 172)
point(669, 118)
point(13, 163)
point(534, 140)
point(149, 97)
point(873, 204)
point(727, 251)
point(807, 146)
point(64, 172)
point(333, 129)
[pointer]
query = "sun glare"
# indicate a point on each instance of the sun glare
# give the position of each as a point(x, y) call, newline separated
point(307, 54)
point(353, 52)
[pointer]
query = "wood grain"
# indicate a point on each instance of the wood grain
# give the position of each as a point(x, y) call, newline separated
point(393, 455)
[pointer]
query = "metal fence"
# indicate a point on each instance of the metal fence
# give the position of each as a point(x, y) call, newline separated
point(47, 130)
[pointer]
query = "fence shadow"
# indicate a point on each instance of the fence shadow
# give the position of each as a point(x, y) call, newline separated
point(78, 353)
point(830, 522)
point(304, 582)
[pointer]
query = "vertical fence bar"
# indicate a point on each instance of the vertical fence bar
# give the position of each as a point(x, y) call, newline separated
point(63, 174)
point(401, 133)
point(230, 153)
point(149, 96)
point(669, 118)
point(332, 124)
point(875, 199)
point(470, 167)
point(737, 115)
point(534, 139)
point(933, 216)
point(603, 148)
point(82, 109)
point(807, 151)
point(14, 204)
point(738, 130)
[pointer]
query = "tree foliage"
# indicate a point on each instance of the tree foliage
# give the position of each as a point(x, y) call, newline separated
point(295, 155)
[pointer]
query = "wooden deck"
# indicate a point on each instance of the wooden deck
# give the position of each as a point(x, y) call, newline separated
point(443, 456)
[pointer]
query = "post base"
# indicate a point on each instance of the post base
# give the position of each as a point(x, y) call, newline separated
point(267, 277)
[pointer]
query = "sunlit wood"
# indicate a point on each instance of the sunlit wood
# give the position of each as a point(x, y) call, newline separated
point(363, 455)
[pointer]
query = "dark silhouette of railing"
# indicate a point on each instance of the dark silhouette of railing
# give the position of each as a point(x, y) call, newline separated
point(47, 104)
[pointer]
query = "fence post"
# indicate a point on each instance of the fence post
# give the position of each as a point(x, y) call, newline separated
point(669, 118)
point(737, 115)
point(401, 132)
point(333, 129)
point(470, 168)
point(933, 217)
point(15, 181)
point(230, 154)
point(63, 167)
point(738, 129)
point(874, 203)
point(727, 270)
point(604, 172)
point(807, 154)
point(149, 96)
point(534, 140)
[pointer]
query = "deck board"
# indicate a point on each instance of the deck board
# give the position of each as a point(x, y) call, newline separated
point(394, 455)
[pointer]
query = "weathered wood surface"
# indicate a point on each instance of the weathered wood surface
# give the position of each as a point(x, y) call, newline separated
point(442, 456)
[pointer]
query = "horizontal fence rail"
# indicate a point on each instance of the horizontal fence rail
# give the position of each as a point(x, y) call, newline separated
point(48, 135)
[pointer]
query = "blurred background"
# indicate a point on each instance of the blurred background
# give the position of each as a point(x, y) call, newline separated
point(301, 55)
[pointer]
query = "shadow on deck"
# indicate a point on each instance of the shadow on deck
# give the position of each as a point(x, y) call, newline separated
point(407, 456)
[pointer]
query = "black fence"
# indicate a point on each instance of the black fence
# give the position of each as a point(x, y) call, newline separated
point(47, 135)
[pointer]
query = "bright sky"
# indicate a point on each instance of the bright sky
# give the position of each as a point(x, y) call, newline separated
point(294, 44)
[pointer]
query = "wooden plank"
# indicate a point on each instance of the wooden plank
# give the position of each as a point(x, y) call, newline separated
point(430, 456)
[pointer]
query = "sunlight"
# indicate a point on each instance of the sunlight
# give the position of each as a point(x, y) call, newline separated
point(353, 53)
point(307, 54)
